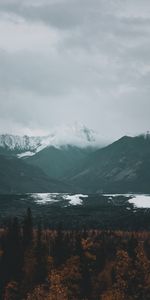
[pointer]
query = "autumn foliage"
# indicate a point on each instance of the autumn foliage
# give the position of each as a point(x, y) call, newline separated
point(38, 264)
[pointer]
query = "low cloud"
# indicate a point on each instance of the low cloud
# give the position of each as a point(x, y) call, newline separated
point(71, 60)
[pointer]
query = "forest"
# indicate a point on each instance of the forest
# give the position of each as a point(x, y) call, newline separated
point(38, 263)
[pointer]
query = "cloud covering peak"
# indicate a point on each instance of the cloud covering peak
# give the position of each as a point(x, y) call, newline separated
point(63, 61)
point(77, 135)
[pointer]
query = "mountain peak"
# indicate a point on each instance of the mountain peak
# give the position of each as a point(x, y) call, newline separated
point(77, 135)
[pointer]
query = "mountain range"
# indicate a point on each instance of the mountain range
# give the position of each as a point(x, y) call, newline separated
point(77, 135)
point(122, 167)
point(52, 156)
point(74, 159)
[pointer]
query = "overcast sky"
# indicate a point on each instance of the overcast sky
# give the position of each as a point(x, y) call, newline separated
point(63, 61)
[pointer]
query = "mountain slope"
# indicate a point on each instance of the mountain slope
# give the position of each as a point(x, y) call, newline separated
point(58, 162)
point(18, 177)
point(56, 154)
point(123, 166)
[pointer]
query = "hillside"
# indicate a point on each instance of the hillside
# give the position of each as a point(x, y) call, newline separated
point(58, 153)
point(123, 166)
point(59, 162)
point(18, 177)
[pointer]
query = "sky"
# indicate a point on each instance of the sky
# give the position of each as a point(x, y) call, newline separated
point(66, 61)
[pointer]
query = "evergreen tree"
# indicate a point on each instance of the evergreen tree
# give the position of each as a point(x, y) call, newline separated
point(11, 262)
point(59, 247)
point(86, 280)
point(132, 245)
point(27, 229)
point(41, 257)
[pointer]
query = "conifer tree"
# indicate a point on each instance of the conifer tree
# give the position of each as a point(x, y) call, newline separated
point(27, 229)
point(41, 257)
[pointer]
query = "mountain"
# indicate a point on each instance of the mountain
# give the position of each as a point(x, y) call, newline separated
point(13, 144)
point(59, 162)
point(121, 167)
point(24, 146)
point(56, 154)
point(18, 177)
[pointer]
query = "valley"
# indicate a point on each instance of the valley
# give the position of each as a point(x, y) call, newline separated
point(77, 211)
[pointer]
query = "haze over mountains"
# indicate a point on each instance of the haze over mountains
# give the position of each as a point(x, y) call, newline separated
point(74, 159)
point(77, 135)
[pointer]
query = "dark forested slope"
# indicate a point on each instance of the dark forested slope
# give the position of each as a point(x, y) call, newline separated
point(18, 177)
point(123, 166)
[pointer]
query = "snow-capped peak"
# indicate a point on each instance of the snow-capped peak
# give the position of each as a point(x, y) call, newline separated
point(19, 143)
point(76, 135)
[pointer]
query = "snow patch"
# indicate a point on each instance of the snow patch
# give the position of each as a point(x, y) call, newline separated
point(140, 201)
point(45, 198)
point(25, 154)
point(75, 199)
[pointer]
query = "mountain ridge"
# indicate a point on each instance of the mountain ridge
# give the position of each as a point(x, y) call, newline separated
point(122, 166)
point(78, 135)
point(18, 177)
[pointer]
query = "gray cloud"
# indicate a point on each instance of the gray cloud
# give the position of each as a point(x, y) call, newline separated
point(68, 60)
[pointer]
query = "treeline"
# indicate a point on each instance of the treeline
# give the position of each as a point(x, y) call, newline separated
point(38, 264)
